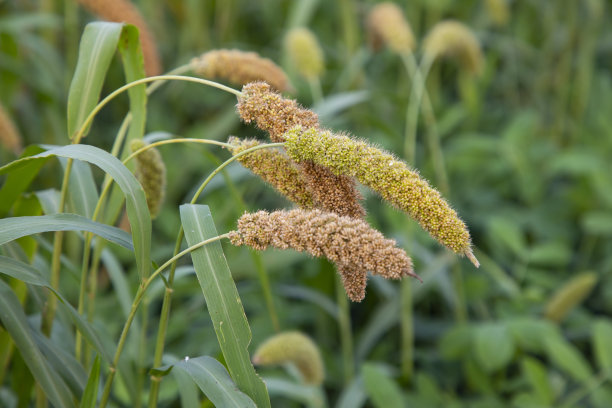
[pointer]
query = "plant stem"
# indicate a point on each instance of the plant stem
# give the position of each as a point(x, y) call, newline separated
point(137, 300)
point(407, 330)
point(346, 337)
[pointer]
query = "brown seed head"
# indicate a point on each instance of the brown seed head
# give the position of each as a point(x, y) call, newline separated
point(275, 114)
point(240, 67)
point(9, 136)
point(349, 242)
point(275, 168)
point(124, 11)
point(387, 26)
point(151, 173)
point(455, 40)
point(388, 176)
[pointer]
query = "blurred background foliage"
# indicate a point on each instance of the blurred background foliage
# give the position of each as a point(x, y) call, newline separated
point(526, 146)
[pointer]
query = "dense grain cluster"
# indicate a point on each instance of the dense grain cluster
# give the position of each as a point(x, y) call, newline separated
point(240, 67)
point(388, 176)
point(123, 11)
point(388, 27)
point(349, 242)
point(293, 347)
point(151, 173)
point(275, 114)
point(274, 167)
point(9, 136)
point(305, 52)
point(455, 40)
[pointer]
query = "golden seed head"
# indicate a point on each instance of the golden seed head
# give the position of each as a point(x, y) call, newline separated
point(388, 176)
point(275, 114)
point(387, 26)
point(293, 347)
point(349, 242)
point(240, 67)
point(570, 295)
point(274, 167)
point(151, 173)
point(9, 136)
point(305, 52)
point(455, 40)
point(123, 11)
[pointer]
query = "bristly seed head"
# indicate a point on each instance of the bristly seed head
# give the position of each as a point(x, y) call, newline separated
point(349, 242)
point(388, 176)
point(240, 67)
point(453, 39)
point(151, 173)
point(274, 167)
point(388, 26)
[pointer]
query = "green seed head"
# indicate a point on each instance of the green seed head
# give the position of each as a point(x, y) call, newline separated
point(452, 39)
point(305, 52)
point(151, 173)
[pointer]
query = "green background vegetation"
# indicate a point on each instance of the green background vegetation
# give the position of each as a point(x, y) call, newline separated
point(526, 146)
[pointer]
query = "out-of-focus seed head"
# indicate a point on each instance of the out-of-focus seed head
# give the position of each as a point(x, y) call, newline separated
point(240, 67)
point(388, 176)
point(293, 347)
point(305, 52)
point(151, 173)
point(387, 26)
point(274, 167)
point(455, 40)
point(10, 138)
point(123, 11)
point(349, 242)
point(570, 295)
point(498, 11)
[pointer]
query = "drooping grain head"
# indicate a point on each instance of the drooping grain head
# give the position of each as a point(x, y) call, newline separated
point(498, 11)
point(240, 67)
point(388, 176)
point(387, 26)
point(349, 242)
point(293, 347)
point(305, 53)
point(452, 39)
point(10, 138)
point(274, 167)
point(275, 114)
point(571, 294)
point(151, 173)
point(126, 12)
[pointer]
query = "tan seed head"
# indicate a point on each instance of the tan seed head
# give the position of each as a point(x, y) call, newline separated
point(10, 138)
point(305, 52)
point(387, 26)
point(452, 39)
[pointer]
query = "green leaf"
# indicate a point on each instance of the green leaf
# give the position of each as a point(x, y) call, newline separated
point(90, 395)
point(332, 105)
point(309, 395)
point(17, 227)
point(82, 189)
point(133, 66)
point(98, 45)
point(15, 322)
point(136, 203)
point(602, 333)
point(493, 346)
point(18, 180)
point(215, 382)
point(27, 273)
point(529, 333)
point(455, 343)
point(224, 305)
point(537, 375)
point(567, 358)
point(380, 387)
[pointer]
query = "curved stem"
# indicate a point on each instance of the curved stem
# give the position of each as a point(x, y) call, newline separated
point(171, 141)
point(79, 135)
point(137, 300)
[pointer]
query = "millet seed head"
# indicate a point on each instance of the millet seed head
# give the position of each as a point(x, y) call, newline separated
point(305, 53)
point(123, 11)
point(349, 242)
point(151, 173)
point(240, 67)
point(274, 167)
point(9, 136)
point(388, 176)
point(452, 39)
point(387, 26)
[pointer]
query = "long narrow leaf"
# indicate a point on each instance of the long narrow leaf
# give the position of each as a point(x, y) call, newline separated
point(214, 381)
point(18, 181)
point(98, 45)
point(17, 227)
point(82, 188)
point(224, 306)
point(90, 395)
point(15, 322)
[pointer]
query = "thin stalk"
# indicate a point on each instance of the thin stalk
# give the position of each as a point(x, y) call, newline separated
point(137, 300)
point(315, 89)
point(407, 330)
point(346, 336)
point(165, 312)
